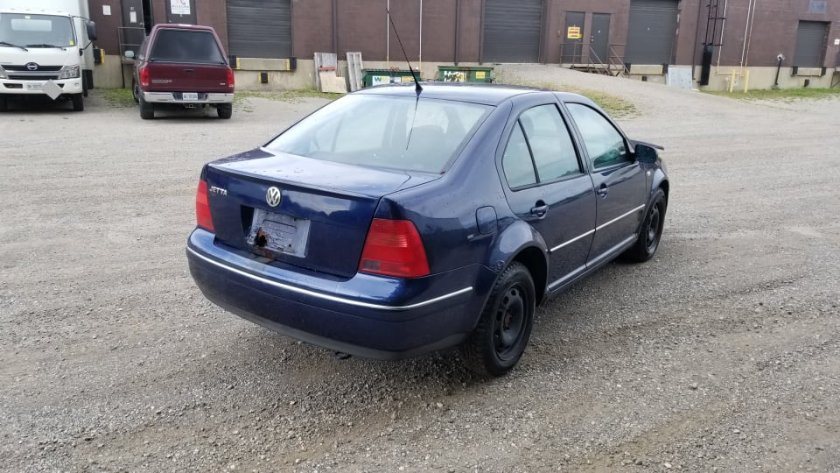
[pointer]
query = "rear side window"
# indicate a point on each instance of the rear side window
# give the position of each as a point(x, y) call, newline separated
point(519, 169)
point(603, 142)
point(186, 46)
point(385, 131)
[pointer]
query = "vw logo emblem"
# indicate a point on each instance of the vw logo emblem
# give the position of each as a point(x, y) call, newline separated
point(32, 66)
point(273, 197)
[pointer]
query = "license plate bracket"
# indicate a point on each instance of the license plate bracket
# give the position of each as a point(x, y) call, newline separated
point(274, 234)
point(189, 96)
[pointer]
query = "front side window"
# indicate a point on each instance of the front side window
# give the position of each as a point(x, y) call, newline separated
point(604, 144)
point(198, 47)
point(403, 133)
point(36, 31)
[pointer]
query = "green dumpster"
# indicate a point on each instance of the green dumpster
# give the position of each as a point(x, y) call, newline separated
point(374, 77)
point(465, 74)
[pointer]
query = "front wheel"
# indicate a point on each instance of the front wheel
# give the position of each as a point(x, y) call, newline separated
point(650, 232)
point(502, 334)
point(4, 104)
point(78, 102)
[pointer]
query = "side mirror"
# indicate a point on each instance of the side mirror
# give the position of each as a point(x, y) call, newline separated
point(91, 30)
point(646, 154)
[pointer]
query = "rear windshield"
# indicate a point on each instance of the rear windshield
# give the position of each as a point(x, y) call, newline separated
point(384, 131)
point(186, 46)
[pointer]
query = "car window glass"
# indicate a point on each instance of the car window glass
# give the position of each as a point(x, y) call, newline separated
point(603, 142)
point(517, 164)
point(186, 46)
point(385, 131)
point(551, 144)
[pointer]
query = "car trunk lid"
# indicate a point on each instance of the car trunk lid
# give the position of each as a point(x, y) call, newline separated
point(304, 212)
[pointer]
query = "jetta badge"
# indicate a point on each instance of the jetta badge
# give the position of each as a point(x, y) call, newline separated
point(273, 196)
point(31, 66)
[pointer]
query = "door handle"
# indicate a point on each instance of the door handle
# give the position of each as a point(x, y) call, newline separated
point(603, 190)
point(540, 209)
point(189, 70)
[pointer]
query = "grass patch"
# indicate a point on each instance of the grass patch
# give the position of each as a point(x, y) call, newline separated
point(285, 95)
point(782, 95)
point(119, 98)
point(613, 105)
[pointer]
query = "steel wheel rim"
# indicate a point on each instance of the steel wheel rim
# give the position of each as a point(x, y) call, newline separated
point(654, 223)
point(510, 321)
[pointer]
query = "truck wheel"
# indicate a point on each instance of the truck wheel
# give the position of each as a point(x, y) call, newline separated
point(224, 110)
point(135, 92)
point(147, 110)
point(78, 102)
point(4, 104)
point(503, 331)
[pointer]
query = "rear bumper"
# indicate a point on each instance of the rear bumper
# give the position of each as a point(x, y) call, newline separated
point(369, 316)
point(174, 97)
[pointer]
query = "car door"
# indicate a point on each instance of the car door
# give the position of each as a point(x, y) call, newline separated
point(618, 179)
point(548, 187)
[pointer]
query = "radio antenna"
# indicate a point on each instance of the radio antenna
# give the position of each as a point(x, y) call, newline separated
point(417, 87)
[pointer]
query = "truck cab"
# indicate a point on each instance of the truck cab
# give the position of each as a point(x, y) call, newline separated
point(45, 51)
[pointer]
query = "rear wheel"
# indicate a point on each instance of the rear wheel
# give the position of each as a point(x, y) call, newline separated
point(147, 110)
point(78, 102)
point(650, 232)
point(224, 110)
point(4, 104)
point(502, 334)
point(135, 91)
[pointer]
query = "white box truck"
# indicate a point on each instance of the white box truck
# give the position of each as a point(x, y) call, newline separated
point(45, 49)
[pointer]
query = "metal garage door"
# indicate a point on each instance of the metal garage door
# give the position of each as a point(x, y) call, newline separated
point(810, 44)
point(512, 30)
point(260, 28)
point(653, 27)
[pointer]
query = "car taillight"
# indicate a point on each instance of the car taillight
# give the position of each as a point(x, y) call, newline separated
point(394, 248)
point(231, 78)
point(203, 217)
point(145, 76)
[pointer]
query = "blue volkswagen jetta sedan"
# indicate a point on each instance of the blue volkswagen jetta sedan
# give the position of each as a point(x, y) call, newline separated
point(391, 223)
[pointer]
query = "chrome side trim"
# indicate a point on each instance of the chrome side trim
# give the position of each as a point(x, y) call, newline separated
point(341, 300)
point(619, 217)
point(569, 242)
point(565, 278)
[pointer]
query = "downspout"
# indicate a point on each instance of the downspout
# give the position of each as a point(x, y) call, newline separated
point(457, 30)
point(420, 59)
point(335, 26)
point(481, 35)
point(388, 32)
point(696, 36)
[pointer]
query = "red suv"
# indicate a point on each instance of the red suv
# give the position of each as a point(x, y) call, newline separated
point(182, 65)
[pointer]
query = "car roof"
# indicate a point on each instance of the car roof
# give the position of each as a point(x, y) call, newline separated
point(487, 94)
point(182, 26)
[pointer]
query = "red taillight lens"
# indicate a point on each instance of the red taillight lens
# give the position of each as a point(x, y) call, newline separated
point(231, 78)
point(203, 217)
point(394, 248)
point(145, 76)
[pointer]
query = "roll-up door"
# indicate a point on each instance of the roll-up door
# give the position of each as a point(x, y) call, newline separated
point(512, 30)
point(653, 28)
point(810, 44)
point(260, 28)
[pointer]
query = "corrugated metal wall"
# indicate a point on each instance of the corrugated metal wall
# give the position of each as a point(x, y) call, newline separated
point(650, 36)
point(512, 30)
point(260, 28)
point(810, 44)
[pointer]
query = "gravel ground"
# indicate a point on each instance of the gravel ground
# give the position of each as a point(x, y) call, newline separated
point(723, 353)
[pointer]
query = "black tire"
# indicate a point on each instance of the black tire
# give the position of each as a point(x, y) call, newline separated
point(135, 92)
point(650, 232)
point(78, 102)
point(4, 104)
point(224, 110)
point(502, 334)
point(147, 110)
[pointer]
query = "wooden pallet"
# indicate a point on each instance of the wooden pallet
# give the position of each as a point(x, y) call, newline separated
point(354, 70)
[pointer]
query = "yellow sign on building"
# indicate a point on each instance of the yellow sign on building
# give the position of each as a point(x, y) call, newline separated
point(573, 32)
